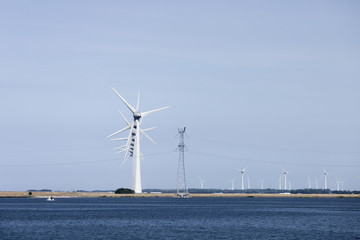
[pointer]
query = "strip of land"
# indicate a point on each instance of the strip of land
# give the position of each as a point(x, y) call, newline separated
point(20, 194)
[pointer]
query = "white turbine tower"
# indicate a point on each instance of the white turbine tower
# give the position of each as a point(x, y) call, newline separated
point(280, 182)
point(309, 182)
point(325, 179)
point(242, 177)
point(132, 146)
point(262, 183)
point(285, 173)
point(201, 183)
point(248, 181)
point(232, 184)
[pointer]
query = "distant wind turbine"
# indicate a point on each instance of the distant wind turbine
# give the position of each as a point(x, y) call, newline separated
point(340, 183)
point(285, 173)
point(248, 181)
point(232, 184)
point(201, 183)
point(242, 177)
point(309, 182)
point(280, 183)
point(325, 179)
point(261, 183)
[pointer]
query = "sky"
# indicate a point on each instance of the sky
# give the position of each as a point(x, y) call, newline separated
point(264, 85)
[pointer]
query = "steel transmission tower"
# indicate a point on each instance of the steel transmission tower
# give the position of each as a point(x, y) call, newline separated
point(181, 188)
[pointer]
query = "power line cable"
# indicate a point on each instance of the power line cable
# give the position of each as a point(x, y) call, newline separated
point(74, 163)
point(278, 148)
point(270, 162)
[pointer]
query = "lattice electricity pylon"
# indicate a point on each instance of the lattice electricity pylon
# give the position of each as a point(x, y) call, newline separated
point(181, 188)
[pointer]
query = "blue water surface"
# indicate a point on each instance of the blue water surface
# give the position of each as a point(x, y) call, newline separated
point(173, 218)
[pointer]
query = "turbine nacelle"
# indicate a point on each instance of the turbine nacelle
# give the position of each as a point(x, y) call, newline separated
point(241, 170)
point(137, 115)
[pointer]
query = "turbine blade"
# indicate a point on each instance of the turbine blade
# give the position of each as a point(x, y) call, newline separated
point(132, 109)
point(123, 146)
point(127, 122)
point(120, 151)
point(120, 131)
point(147, 136)
point(152, 111)
point(125, 159)
point(148, 129)
point(138, 102)
point(118, 139)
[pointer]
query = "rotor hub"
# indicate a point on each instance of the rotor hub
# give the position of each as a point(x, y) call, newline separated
point(137, 115)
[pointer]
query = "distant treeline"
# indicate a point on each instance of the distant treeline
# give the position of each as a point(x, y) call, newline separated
point(49, 190)
point(41, 190)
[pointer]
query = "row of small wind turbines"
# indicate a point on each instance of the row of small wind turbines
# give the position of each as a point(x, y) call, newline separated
point(287, 184)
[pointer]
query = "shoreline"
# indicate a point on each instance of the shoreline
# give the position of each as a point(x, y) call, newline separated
point(24, 194)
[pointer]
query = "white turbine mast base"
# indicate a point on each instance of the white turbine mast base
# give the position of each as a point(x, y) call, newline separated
point(232, 184)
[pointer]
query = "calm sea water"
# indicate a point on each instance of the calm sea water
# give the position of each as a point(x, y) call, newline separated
point(171, 218)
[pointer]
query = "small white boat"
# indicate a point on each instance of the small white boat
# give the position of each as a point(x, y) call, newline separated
point(50, 199)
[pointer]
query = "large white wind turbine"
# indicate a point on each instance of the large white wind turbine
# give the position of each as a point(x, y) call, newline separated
point(132, 146)
point(242, 177)
point(285, 173)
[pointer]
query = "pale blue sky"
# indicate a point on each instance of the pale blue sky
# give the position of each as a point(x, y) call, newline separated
point(259, 84)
